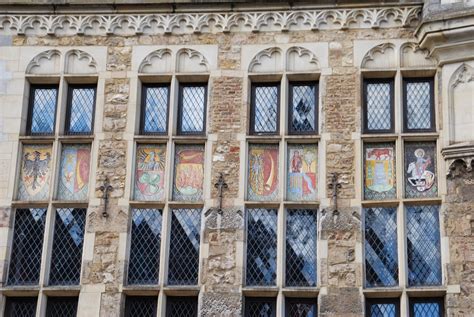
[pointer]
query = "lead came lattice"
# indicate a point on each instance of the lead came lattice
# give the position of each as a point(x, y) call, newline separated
point(21, 306)
point(303, 107)
point(378, 308)
point(43, 110)
point(192, 109)
point(142, 306)
point(155, 116)
point(418, 105)
point(301, 307)
point(378, 107)
point(265, 107)
point(181, 306)
point(61, 307)
point(260, 307)
point(81, 111)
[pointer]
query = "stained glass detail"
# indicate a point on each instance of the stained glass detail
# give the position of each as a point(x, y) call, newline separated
point(68, 241)
point(301, 307)
point(303, 107)
point(145, 246)
point(381, 255)
point(426, 307)
point(35, 172)
point(378, 106)
point(261, 247)
point(260, 307)
point(192, 109)
point(43, 110)
point(142, 306)
point(423, 244)
point(420, 168)
point(155, 116)
point(61, 307)
point(181, 306)
point(379, 171)
point(302, 172)
point(263, 172)
point(81, 111)
point(74, 172)
point(301, 239)
point(20, 307)
point(25, 261)
point(184, 247)
point(150, 172)
point(380, 308)
point(418, 105)
point(188, 172)
point(265, 109)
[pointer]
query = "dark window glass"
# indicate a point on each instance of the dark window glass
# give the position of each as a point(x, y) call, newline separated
point(303, 108)
point(184, 247)
point(378, 105)
point(301, 307)
point(143, 306)
point(80, 110)
point(66, 257)
point(423, 243)
point(181, 306)
point(381, 256)
point(264, 117)
point(192, 109)
point(383, 307)
point(260, 307)
point(61, 307)
point(145, 246)
point(418, 104)
point(155, 100)
point(261, 247)
point(426, 307)
point(27, 247)
point(20, 307)
point(42, 110)
point(301, 239)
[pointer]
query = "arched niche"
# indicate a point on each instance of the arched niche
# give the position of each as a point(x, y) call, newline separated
point(191, 61)
point(381, 56)
point(267, 61)
point(461, 105)
point(79, 62)
point(159, 61)
point(299, 59)
point(47, 62)
point(411, 55)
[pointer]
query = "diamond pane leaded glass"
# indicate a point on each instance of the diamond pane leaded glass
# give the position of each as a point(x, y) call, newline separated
point(20, 307)
point(382, 308)
point(261, 247)
point(296, 307)
point(42, 110)
point(418, 105)
point(35, 172)
point(145, 246)
point(181, 306)
point(263, 172)
point(74, 172)
point(143, 306)
point(25, 261)
point(155, 109)
point(379, 171)
point(68, 241)
point(378, 106)
point(425, 307)
point(192, 109)
point(381, 256)
point(150, 172)
point(265, 103)
point(302, 172)
point(61, 307)
point(81, 110)
point(303, 108)
point(184, 247)
point(188, 172)
point(420, 170)
point(260, 307)
point(301, 239)
point(423, 245)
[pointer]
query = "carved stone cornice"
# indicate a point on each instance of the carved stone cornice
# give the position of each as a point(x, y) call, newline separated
point(459, 159)
point(209, 22)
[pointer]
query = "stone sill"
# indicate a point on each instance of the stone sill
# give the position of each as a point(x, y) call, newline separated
point(426, 291)
point(395, 202)
point(141, 290)
point(421, 136)
point(382, 292)
point(301, 292)
point(20, 290)
point(182, 290)
point(73, 290)
point(257, 291)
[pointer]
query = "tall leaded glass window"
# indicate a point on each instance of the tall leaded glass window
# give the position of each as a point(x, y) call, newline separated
point(301, 241)
point(378, 106)
point(423, 245)
point(301, 307)
point(192, 108)
point(426, 307)
point(382, 307)
point(183, 265)
point(143, 306)
point(418, 105)
point(61, 307)
point(145, 246)
point(260, 307)
point(42, 109)
point(421, 179)
point(21, 306)
point(68, 242)
point(261, 247)
point(182, 306)
point(80, 110)
point(265, 109)
point(155, 105)
point(381, 256)
point(25, 261)
point(303, 108)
